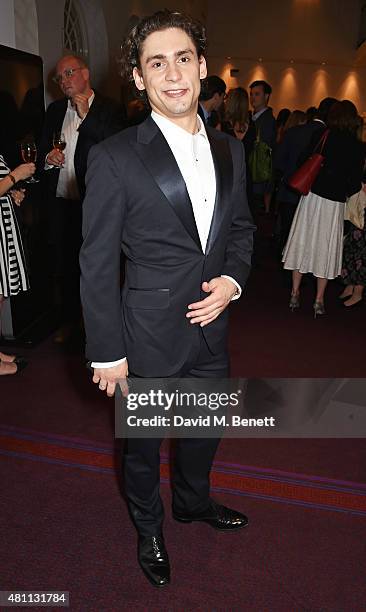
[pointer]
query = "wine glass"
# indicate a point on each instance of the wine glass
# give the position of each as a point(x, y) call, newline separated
point(29, 154)
point(59, 142)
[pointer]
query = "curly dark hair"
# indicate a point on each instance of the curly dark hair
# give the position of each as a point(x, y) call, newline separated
point(131, 47)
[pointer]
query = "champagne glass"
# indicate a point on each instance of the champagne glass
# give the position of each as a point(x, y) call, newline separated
point(29, 154)
point(59, 142)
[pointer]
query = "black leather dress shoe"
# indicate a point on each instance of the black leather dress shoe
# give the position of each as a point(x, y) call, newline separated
point(154, 560)
point(219, 517)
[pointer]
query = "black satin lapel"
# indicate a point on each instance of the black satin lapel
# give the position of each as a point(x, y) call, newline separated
point(224, 176)
point(158, 159)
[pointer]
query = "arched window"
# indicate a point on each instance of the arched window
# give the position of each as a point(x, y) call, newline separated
point(74, 31)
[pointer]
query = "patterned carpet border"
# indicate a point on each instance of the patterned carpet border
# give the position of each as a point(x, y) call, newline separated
point(259, 483)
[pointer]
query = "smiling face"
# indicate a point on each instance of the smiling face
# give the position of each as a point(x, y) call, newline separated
point(171, 73)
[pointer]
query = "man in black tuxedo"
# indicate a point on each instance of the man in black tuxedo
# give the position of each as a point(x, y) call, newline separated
point(170, 194)
point(85, 118)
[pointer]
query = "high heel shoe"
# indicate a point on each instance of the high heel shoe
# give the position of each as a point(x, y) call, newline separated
point(294, 302)
point(318, 309)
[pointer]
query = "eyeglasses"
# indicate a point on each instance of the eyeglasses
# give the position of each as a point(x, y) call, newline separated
point(68, 73)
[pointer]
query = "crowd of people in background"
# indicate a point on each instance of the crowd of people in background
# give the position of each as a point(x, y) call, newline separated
point(309, 229)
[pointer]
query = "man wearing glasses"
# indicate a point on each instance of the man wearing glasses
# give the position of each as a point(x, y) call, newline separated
point(83, 118)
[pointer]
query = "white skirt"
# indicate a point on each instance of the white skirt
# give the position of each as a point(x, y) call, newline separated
point(315, 241)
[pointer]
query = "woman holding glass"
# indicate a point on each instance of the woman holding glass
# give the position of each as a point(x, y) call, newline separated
point(13, 274)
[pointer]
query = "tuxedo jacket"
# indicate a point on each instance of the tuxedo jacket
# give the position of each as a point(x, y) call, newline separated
point(137, 202)
point(103, 119)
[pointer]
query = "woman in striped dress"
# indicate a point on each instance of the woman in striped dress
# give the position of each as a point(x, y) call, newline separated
point(13, 274)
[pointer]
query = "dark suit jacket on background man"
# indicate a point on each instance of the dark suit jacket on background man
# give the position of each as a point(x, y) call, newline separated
point(64, 216)
point(103, 119)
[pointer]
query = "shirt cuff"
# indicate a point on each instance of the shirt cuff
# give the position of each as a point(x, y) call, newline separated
point(107, 364)
point(239, 289)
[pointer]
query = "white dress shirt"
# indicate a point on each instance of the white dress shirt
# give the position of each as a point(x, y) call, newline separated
point(67, 186)
point(193, 155)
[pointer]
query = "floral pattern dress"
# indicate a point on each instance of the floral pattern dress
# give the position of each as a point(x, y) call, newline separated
point(354, 257)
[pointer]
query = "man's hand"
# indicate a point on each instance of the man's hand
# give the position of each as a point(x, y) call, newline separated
point(205, 311)
point(81, 104)
point(55, 158)
point(107, 378)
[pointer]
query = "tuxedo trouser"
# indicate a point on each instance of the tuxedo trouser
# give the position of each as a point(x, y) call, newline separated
point(66, 237)
point(193, 461)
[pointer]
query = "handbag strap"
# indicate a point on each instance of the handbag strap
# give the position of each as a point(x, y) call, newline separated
point(322, 141)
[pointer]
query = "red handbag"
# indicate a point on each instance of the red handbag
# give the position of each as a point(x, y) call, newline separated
point(304, 177)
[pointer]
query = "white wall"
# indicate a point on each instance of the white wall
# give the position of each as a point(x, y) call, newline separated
point(26, 26)
point(7, 23)
point(50, 15)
